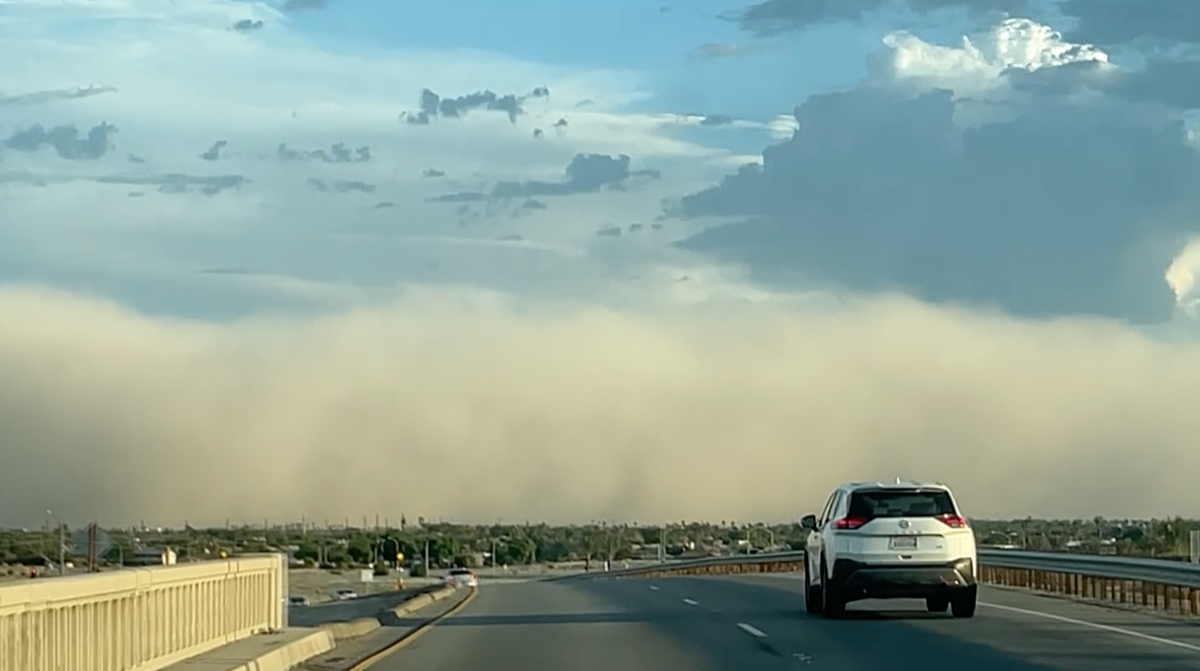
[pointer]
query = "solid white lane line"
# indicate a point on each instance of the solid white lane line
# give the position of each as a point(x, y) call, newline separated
point(691, 602)
point(1096, 625)
point(749, 629)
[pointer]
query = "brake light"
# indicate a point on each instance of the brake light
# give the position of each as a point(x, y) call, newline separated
point(850, 523)
point(954, 521)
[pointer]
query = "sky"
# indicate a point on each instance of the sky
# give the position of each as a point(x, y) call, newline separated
point(626, 262)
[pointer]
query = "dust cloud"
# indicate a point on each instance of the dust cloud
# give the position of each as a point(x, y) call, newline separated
point(444, 405)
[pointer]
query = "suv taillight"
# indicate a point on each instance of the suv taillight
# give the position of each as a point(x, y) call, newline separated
point(850, 523)
point(954, 521)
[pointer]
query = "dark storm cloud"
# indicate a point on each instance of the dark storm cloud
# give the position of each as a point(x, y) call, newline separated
point(337, 153)
point(341, 186)
point(1175, 83)
point(773, 17)
point(52, 95)
point(1165, 81)
point(1111, 23)
point(1065, 208)
point(247, 25)
point(214, 152)
point(65, 140)
point(209, 185)
point(304, 5)
point(432, 105)
point(587, 173)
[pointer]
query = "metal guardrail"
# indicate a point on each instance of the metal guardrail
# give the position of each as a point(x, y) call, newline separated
point(1152, 583)
point(1160, 571)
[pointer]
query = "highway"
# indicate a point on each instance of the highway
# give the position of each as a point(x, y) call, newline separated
point(743, 623)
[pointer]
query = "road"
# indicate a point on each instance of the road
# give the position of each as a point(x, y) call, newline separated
point(744, 623)
point(345, 611)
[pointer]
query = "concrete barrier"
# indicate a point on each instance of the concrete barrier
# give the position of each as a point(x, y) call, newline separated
point(142, 619)
point(277, 651)
point(421, 600)
point(343, 631)
point(352, 629)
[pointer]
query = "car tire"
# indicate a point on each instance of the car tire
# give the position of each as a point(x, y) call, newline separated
point(812, 594)
point(833, 607)
point(937, 604)
point(963, 604)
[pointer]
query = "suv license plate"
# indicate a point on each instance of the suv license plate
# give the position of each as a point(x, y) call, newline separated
point(904, 543)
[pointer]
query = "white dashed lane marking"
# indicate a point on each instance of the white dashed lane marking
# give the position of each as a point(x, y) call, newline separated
point(654, 587)
point(752, 630)
point(691, 602)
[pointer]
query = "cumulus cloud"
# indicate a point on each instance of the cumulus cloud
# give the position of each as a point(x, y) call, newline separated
point(585, 174)
point(341, 185)
point(1039, 204)
point(247, 25)
point(573, 412)
point(1154, 23)
point(65, 140)
point(338, 153)
point(772, 17)
point(213, 153)
point(433, 106)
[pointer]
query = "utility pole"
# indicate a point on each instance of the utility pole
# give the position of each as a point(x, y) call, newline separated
point(62, 543)
point(426, 556)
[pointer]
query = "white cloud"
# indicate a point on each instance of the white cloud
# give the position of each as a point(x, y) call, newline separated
point(182, 79)
point(782, 126)
point(975, 67)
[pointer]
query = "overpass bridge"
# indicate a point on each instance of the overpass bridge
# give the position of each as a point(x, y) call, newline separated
point(719, 614)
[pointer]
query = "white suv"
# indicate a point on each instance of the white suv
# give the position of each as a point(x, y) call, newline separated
point(892, 540)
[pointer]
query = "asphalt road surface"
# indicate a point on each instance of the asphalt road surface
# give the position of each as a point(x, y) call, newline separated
point(751, 623)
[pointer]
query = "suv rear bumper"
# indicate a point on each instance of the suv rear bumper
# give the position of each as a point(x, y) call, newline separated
point(858, 580)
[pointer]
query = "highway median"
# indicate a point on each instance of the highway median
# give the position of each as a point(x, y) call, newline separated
point(357, 628)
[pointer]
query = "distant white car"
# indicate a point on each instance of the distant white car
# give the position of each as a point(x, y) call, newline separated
point(890, 540)
point(461, 577)
point(298, 601)
point(344, 594)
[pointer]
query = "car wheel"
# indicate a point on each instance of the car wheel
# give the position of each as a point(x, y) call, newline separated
point(937, 604)
point(832, 605)
point(812, 594)
point(963, 603)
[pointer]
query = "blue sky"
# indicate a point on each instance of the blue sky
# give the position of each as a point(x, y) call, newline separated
point(235, 258)
point(625, 35)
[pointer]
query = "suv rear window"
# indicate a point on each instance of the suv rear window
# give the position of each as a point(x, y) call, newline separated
point(869, 504)
point(460, 571)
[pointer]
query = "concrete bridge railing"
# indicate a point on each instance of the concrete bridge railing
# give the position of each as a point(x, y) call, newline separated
point(140, 619)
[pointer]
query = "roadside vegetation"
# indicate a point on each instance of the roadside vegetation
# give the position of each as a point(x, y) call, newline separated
point(447, 544)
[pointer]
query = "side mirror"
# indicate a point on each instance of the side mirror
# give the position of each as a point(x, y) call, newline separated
point(808, 522)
